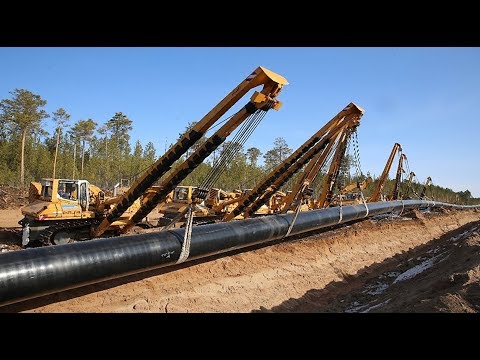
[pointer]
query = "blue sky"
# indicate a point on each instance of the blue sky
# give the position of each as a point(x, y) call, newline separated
point(424, 98)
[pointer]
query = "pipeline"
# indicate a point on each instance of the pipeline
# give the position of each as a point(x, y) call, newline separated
point(30, 273)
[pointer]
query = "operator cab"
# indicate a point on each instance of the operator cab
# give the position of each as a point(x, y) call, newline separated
point(71, 190)
point(183, 193)
point(68, 189)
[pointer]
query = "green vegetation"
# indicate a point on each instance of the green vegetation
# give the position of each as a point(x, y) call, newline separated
point(103, 154)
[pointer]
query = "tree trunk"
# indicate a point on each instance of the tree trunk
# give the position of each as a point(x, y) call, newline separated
point(22, 161)
point(74, 158)
point(56, 153)
point(83, 156)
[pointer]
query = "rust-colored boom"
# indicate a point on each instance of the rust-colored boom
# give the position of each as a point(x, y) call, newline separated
point(262, 192)
point(381, 182)
point(263, 100)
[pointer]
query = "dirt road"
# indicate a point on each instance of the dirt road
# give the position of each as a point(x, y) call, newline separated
point(304, 274)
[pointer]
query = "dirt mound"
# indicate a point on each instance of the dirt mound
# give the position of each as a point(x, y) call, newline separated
point(12, 197)
point(314, 272)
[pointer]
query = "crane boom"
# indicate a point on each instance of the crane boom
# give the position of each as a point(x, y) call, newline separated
point(394, 193)
point(252, 201)
point(272, 85)
point(332, 174)
point(311, 171)
point(409, 185)
point(308, 176)
point(381, 182)
point(424, 190)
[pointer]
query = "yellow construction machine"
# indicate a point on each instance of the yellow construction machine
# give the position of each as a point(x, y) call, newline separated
point(377, 193)
point(182, 197)
point(85, 217)
point(351, 194)
point(330, 140)
point(428, 182)
point(62, 210)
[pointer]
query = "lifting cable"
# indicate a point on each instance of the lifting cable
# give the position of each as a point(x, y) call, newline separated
point(356, 160)
point(340, 218)
point(233, 148)
point(413, 188)
point(187, 238)
point(327, 161)
point(290, 227)
point(175, 219)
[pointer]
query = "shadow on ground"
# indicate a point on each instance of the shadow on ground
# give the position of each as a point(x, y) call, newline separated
point(451, 284)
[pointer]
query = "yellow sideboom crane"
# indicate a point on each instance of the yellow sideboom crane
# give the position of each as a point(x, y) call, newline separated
point(409, 186)
point(394, 194)
point(381, 182)
point(424, 190)
point(325, 197)
point(302, 190)
point(357, 185)
point(262, 192)
point(260, 102)
point(339, 141)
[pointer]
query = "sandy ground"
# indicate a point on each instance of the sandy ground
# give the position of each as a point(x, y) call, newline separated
point(440, 276)
point(10, 236)
point(10, 218)
point(322, 271)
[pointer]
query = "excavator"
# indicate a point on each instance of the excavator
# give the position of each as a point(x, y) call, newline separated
point(312, 154)
point(93, 221)
point(377, 192)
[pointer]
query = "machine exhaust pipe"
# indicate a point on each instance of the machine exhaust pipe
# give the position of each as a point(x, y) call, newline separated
point(34, 272)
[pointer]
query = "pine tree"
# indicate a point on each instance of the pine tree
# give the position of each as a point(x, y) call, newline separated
point(24, 112)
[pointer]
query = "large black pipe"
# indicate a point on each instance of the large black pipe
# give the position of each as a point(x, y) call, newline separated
point(34, 272)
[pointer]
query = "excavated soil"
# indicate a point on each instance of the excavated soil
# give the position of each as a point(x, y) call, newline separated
point(12, 197)
point(425, 262)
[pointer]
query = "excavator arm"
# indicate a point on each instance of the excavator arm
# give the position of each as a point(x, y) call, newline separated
point(381, 182)
point(251, 202)
point(265, 99)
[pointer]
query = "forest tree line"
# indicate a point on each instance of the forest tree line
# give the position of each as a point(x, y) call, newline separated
point(103, 153)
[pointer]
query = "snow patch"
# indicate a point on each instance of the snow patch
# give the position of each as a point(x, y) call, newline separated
point(375, 289)
point(414, 271)
point(376, 306)
point(365, 308)
point(455, 238)
point(465, 234)
point(392, 274)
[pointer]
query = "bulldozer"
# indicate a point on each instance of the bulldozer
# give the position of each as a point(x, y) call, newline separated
point(63, 210)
